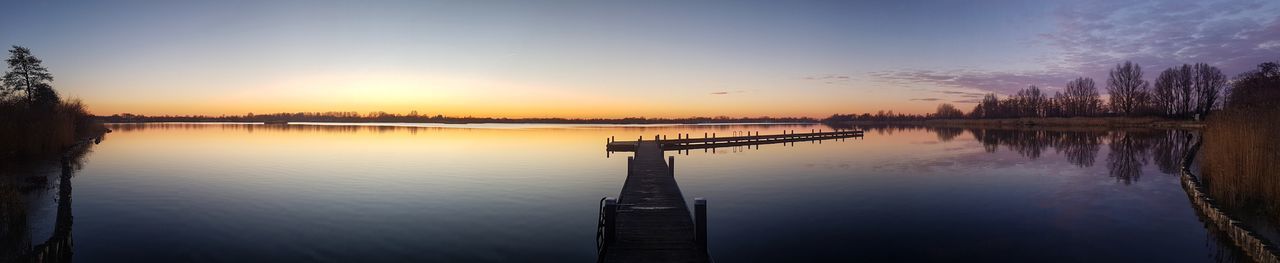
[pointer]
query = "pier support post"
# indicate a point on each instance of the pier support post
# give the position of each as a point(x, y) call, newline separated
point(671, 165)
point(700, 225)
point(630, 164)
point(610, 219)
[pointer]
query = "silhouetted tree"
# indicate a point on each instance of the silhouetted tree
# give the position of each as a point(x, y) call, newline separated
point(948, 111)
point(1080, 98)
point(1165, 95)
point(1029, 102)
point(1209, 83)
point(989, 107)
point(1183, 85)
point(1127, 88)
point(1257, 89)
point(27, 76)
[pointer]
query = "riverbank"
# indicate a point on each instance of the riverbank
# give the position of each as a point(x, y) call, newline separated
point(1099, 122)
point(31, 133)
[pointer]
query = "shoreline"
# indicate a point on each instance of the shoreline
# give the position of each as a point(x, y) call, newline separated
point(1062, 122)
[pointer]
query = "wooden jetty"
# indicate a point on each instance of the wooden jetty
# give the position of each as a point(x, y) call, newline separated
point(710, 140)
point(650, 221)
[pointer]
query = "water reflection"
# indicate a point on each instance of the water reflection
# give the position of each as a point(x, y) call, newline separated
point(23, 188)
point(1128, 150)
point(353, 193)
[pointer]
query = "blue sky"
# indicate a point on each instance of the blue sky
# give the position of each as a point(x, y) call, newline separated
point(612, 58)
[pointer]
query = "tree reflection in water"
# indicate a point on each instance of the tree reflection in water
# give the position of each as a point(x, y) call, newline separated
point(1128, 150)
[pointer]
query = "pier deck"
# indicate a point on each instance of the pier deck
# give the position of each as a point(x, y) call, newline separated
point(650, 221)
point(653, 221)
point(716, 142)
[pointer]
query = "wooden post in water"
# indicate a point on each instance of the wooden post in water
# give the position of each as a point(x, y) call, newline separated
point(671, 165)
point(610, 219)
point(630, 161)
point(700, 226)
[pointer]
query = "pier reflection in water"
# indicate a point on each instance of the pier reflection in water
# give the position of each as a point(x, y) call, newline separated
point(492, 193)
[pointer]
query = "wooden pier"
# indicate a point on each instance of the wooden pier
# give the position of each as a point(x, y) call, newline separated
point(710, 140)
point(650, 221)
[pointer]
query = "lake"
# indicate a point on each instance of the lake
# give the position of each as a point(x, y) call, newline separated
point(186, 192)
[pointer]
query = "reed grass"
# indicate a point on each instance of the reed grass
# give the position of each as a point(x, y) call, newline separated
point(29, 132)
point(1240, 160)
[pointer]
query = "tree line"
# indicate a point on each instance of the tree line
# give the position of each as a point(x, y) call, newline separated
point(1182, 91)
point(1185, 91)
point(34, 120)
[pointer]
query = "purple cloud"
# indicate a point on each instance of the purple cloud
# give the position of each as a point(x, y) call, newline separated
point(988, 81)
point(1091, 37)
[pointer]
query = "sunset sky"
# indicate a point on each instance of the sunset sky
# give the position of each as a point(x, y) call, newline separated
point(611, 58)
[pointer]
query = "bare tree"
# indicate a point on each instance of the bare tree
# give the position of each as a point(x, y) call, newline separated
point(989, 107)
point(1209, 83)
point(1256, 89)
point(1127, 88)
point(1165, 95)
point(1080, 98)
point(1030, 102)
point(948, 111)
point(1183, 85)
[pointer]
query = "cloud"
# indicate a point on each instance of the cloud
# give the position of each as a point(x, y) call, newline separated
point(962, 93)
point(1229, 34)
point(988, 81)
point(727, 92)
point(926, 99)
point(831, 79)
point(828, 77)
point(1090, 37)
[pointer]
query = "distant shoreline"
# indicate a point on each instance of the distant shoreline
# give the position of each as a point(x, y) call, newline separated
point(1100, 122)
point(394, 118)
point(397, 122)
point(1091, 122)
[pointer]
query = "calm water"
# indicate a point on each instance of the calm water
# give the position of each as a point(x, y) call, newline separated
point(529, 193)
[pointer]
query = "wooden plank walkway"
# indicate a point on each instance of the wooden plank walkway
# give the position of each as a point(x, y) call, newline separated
point(650, 221)
point(716, 142)
point(653, 221)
